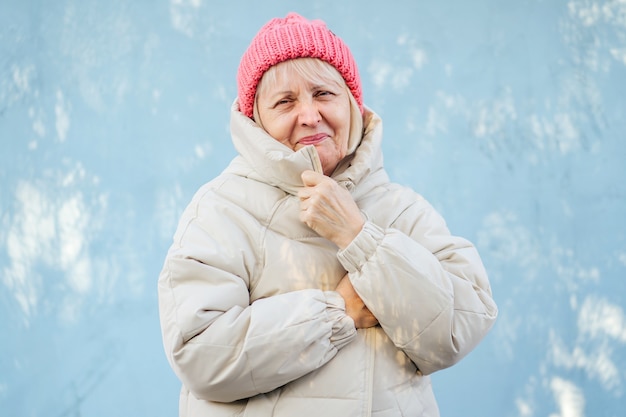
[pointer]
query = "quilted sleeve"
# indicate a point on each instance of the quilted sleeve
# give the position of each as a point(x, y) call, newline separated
point(221, 346)
point(428, 288)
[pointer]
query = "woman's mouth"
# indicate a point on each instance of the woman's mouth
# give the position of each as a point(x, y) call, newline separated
point(313, 139)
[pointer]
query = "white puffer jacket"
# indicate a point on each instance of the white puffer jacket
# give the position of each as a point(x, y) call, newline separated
point(251, 324)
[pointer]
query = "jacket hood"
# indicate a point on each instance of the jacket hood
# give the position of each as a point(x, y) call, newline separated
point(263, 158)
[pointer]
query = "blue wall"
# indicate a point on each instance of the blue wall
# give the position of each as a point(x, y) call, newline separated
point(508, 115)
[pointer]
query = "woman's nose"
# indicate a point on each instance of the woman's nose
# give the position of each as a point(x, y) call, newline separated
point(309, 113)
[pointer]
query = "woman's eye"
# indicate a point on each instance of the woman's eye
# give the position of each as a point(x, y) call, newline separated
point(282, 102)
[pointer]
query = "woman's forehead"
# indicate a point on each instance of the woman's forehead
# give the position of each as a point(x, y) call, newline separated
point(286, 77)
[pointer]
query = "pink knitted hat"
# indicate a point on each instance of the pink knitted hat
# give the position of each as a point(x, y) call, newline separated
point(289, 38)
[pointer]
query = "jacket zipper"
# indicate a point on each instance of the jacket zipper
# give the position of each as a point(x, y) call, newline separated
point(315, 159)
point(370, 338)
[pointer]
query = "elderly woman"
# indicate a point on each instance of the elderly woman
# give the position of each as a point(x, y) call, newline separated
point(301, 281)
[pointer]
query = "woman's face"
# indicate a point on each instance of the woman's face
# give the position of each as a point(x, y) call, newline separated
point(298, 112)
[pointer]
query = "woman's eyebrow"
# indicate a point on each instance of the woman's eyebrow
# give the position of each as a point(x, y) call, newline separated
point(280, 94)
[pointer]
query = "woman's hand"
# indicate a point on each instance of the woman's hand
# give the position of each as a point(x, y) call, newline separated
point(329, 209)
point(355, 308)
